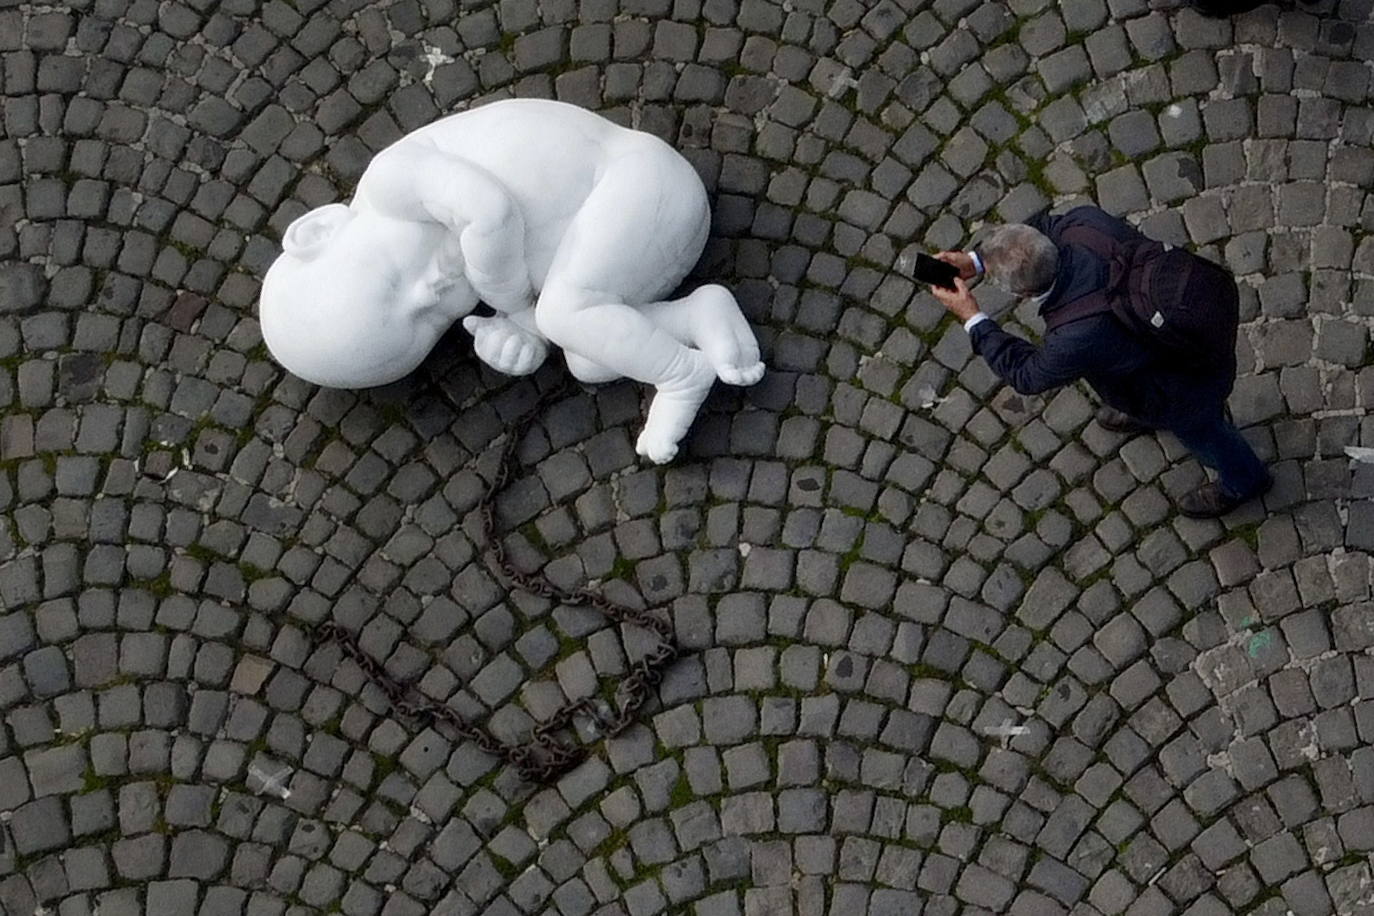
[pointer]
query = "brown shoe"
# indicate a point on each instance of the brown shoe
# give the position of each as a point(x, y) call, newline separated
point(1118, 422)
point(1211, 501)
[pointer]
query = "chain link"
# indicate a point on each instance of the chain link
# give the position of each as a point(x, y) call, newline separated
point(544, 757)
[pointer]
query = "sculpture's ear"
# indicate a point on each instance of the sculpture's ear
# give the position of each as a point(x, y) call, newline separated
point(309, 233)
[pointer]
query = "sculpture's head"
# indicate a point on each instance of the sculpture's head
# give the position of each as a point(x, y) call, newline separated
point(358, 299)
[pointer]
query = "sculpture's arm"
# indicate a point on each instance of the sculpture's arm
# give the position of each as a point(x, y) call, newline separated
point(417, 178)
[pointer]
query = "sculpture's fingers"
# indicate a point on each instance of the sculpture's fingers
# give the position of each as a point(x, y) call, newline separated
point(539, 351)
point(510, 352)
point(536, 358)
point(527, 360)
point(482, 338)
point(487, 344)
point(514, 355)
point(481, 342)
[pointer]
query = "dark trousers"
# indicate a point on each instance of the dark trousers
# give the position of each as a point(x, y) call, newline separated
point(1216, 442)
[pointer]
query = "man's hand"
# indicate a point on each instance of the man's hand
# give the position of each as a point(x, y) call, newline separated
point(958, 301)
point(504, 345)
point(961, 260)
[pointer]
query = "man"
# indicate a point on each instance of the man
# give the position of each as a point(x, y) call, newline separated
point(1142, 386)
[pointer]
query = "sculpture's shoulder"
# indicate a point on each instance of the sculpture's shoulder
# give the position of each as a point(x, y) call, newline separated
point(386, 176)
point(411, 165)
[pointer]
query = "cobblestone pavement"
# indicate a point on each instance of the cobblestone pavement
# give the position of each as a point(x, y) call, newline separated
point(955, 651)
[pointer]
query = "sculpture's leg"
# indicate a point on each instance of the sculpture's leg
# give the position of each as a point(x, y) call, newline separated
point(584, 370)
point(622, 340)
point(635, 237)
point(709, 319)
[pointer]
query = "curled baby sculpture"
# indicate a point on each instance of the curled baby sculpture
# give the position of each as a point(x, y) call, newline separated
point(571, 228)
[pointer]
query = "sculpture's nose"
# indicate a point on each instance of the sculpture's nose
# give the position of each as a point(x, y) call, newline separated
point(424, 299)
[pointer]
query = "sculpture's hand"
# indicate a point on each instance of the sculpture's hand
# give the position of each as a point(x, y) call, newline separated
point(505, 346)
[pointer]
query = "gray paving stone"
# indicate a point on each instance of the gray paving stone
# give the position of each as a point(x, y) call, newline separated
point(1121, 191)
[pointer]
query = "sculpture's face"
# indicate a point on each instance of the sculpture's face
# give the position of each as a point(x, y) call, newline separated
point(358, 300)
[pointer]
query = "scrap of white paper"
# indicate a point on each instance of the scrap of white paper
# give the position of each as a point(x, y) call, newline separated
point(842, 82)
point(273, 783)
point(928, 396)
point(1006, 731)
point(1359, 453)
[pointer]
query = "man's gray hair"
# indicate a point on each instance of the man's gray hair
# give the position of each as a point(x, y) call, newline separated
point(1021, 260)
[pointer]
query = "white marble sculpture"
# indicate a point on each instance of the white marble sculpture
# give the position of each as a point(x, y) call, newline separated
point(571, 228)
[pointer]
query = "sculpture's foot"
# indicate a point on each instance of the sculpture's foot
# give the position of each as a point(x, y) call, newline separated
point(674, 407)
point(724, 336)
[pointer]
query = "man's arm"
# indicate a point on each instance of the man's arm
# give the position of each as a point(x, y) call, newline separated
point(1022, 365)
point(421, 180)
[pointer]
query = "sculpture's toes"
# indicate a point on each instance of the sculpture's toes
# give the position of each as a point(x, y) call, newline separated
point(658, 449)
point(723, 334)
point(735, 358)
point(674, 407)
point(743, 376)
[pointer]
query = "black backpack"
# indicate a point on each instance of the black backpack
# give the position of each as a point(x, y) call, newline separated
point(1186, 305)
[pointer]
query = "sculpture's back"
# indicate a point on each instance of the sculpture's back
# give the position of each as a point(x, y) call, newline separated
point(552, 158)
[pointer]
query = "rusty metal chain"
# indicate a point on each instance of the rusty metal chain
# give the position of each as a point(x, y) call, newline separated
point(544, 756)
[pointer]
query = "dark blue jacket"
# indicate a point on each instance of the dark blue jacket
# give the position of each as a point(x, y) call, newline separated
point(1125, 370)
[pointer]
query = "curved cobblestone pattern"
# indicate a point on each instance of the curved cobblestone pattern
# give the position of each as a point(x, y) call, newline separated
point(954, 651)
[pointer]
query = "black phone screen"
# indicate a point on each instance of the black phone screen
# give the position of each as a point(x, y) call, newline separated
point(934, 271)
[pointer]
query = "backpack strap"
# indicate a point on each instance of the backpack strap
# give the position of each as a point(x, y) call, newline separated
point(1085, 306)
point(1086, 236)
point(1117, 254)
point(1099, 301)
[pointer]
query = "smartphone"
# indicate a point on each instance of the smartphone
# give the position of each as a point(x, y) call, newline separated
point(934, 271)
